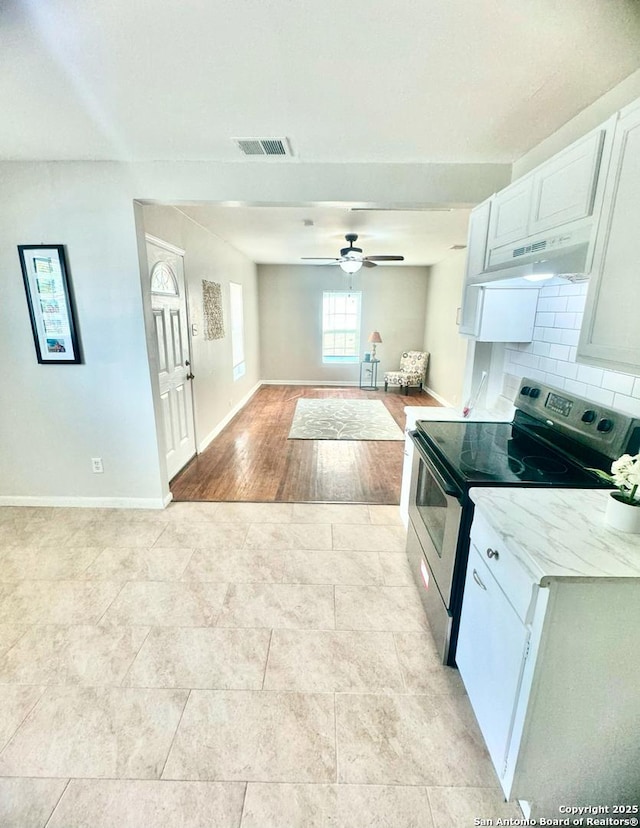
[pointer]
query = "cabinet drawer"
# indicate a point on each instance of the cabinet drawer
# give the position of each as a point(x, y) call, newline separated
point(517, 584)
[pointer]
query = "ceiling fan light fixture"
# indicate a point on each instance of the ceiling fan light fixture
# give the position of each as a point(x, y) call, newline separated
point(350, 265)
point(351, 258)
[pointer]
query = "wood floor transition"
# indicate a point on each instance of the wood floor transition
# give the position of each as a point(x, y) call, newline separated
point(252, 460)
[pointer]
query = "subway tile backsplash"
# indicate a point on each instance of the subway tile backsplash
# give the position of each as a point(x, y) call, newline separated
point(551, 356)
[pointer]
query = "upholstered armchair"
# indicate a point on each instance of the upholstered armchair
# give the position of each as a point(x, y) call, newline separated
point(412, 371)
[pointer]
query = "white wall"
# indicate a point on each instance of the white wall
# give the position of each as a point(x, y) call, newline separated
point(286, 182)
point(53, 419)
point(447, 348)
point(551, 356)
point(393, 302)
point(606, 106)
point(209, 257)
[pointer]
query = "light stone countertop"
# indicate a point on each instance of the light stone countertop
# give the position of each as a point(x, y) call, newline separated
point(559, 533)
point(449, 414)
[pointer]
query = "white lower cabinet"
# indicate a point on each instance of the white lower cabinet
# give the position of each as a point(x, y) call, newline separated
point(491, 665)
point(552, 668)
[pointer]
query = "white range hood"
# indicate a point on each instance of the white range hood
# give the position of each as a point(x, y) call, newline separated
point(558, 253)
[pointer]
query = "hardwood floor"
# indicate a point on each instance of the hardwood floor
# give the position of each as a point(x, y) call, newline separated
point(252, 460)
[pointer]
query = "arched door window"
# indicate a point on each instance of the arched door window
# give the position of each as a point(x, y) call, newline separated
point(163, 280)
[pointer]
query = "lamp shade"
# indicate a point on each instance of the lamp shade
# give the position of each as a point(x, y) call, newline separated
point(374, 336)
point(351, 265)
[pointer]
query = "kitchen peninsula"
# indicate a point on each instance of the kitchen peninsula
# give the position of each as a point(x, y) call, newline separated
point(549, 646)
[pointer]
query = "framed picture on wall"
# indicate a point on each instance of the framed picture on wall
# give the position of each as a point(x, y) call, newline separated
point(46, 282)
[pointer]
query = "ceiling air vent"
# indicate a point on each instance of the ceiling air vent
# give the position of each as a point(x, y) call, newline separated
point(274, 147)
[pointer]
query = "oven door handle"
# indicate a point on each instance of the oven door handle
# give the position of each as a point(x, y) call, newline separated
point(443, 480)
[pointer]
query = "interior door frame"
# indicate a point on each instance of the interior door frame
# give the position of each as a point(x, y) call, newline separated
point(178, 251)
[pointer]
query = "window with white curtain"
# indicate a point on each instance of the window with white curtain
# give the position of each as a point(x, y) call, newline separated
point(237, 330)
point(341, 326)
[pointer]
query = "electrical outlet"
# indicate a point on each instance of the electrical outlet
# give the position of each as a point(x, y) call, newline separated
point(96, 465)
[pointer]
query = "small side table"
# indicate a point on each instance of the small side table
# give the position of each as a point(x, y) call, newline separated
point(369, 375)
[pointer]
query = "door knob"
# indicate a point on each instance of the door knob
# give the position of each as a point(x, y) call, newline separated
point(190, 376)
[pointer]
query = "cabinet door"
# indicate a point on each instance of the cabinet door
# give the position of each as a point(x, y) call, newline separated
point(492, 647)
point(564, 188)
point(471, 310)
point(507, 314)
point(610, 334)
point(510, 210)
point(477, 238)
point(495, 314)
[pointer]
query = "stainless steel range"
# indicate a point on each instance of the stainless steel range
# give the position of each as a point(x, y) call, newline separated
point(554, 439)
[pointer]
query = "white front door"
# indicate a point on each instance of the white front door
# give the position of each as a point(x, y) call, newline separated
point(169, 306)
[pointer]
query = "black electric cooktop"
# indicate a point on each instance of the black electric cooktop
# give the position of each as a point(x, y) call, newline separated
point(490, 453)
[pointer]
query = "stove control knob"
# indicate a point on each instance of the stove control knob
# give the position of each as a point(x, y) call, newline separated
point(534, 393)
point(605, 425)
point(525, 390)
point(589, 416)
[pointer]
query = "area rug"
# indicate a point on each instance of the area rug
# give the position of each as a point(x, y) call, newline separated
point(343, 420)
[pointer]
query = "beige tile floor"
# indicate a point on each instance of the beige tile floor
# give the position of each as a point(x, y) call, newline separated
point(236, 665)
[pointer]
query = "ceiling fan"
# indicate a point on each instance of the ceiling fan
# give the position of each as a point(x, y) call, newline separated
point(351, 258)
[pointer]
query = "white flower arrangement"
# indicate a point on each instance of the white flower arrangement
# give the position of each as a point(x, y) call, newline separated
point(625, 476)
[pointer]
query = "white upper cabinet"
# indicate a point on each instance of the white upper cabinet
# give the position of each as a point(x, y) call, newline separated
point(610, 334)
point(477, 238)
point(470, 312)
point(492, 314)
point(559, 195)
point(476, 253)
point(564, 188)
point(499, 314)
point(510, 213)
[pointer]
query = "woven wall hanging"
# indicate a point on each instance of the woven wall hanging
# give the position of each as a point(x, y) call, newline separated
point(212, 310)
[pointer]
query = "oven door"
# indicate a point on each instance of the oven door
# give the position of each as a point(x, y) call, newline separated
point(435, 511)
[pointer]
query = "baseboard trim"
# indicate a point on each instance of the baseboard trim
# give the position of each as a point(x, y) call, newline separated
point(440, 399)
point(202, 445)
point(354, 383)
point(87, 502)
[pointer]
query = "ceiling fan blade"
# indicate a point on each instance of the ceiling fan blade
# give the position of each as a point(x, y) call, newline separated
point(384, 258)
point(367, 263)
point(319, 260)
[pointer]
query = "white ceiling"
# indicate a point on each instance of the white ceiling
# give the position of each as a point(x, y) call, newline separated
point(278, 235)
point(420, 81)
point(391, 80)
